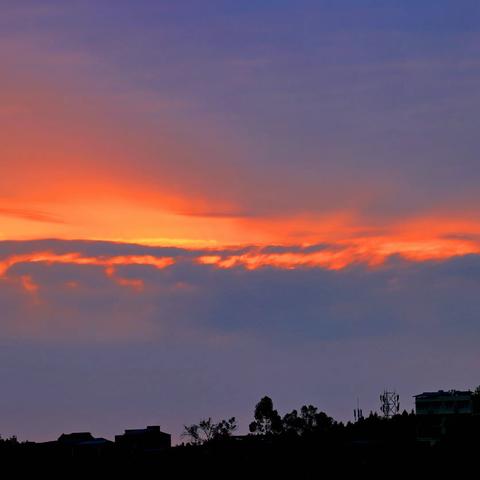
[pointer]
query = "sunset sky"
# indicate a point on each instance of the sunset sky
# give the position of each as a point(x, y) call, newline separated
point(203, 202)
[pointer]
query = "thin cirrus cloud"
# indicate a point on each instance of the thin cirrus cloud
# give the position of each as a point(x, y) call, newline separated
point(140, 164)
point(35, 215)
point(95, 151)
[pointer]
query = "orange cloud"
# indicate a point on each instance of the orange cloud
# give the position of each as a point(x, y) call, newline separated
point(28, 284)
point(77, 259)
point(78, 163)
point(419, 240)
point(344, 242)
point(119, 171)
point(135, 283)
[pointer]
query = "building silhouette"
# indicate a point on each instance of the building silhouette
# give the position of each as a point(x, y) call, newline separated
point(149, 439)
point(452, 402)
point(439, 412)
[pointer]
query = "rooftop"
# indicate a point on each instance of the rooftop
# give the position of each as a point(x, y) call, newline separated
point(443, 393)
point(75, 437)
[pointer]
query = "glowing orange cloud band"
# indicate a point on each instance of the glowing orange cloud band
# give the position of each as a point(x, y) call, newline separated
point(372, 251)
point(76, 258)
point(109, 263)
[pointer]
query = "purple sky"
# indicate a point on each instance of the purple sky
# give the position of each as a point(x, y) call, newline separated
point(202, 203)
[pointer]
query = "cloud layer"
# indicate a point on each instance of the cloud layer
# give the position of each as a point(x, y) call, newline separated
point(185, 339)
point(254, 125)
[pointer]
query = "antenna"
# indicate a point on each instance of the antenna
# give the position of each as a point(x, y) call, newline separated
point(358, 413)
point(390, 403)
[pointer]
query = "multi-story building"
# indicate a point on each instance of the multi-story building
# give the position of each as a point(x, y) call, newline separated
point(452, 402)
point(437, 410)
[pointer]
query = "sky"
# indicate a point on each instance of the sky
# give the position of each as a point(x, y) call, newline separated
point(202, 203)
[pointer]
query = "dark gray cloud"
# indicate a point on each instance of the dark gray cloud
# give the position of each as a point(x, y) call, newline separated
point(97, 248)
point(84, 247)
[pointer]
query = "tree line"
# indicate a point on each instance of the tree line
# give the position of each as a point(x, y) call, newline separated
point(304, 423)
point(309, 422)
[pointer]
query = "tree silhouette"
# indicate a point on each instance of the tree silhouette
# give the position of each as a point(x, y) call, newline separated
point(309, 421)
point(206, 430)
point(476, 400)
point(267, 420)
point(292, 423)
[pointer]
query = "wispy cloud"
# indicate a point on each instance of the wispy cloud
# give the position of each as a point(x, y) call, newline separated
point(34, 215)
